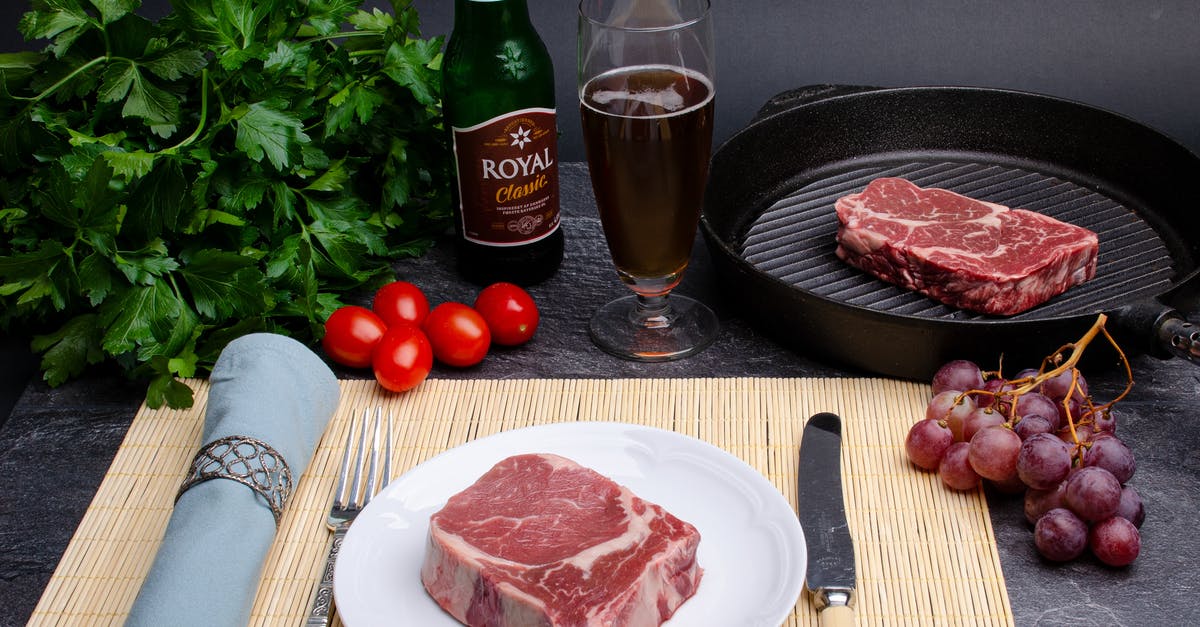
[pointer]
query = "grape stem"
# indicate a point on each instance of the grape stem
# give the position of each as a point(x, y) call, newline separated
point(1059, 364)
point(1077, 348)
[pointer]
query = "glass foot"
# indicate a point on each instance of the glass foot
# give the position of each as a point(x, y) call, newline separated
point(662, 328)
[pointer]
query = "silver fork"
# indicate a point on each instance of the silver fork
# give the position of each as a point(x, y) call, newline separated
point(347, 504)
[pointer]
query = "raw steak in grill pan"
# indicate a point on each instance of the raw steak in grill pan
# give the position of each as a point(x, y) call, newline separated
point(960, 251)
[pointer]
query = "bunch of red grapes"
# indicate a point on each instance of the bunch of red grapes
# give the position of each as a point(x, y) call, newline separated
point(1038, 432)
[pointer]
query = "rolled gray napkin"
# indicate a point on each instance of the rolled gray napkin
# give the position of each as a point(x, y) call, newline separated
point(263, 386)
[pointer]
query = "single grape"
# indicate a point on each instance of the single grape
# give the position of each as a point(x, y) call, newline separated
point(1105, 422)
point(1043, 461)
point(957, 416)
point(1033, 424)
point(1083, 432)
point(1093, 493)
point(980, 419)
point(1027, 373)
point(995, 395)
point(1073, 408)
point(940, 405)
point(1115, 541)
point(1035, 404)
point(1111, 454)
point(995, 385)
point(927, 442)
point(959, 375)
point(1038, 502)
point(947, 406)
point(1060, 535)
point(955, 469)
point(1131, 507)
point(993, 453)
point(1057, 386)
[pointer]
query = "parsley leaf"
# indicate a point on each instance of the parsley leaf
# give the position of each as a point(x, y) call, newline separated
point(225, 285)
point(157, 201)
point(176, 63)
point(63, 20)
point(265, 129)
point(408, 64)
point(139, 315)
point(67, 351)
point(113, 10)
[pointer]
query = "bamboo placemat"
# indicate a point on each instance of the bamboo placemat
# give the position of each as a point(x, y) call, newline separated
point(925, 555)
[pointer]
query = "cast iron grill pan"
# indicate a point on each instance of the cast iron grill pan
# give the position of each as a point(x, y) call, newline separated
point(769, 222)
point(794, 240)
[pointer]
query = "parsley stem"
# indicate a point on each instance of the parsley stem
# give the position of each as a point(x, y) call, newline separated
point(353, 33)
point(66, 79)
point(187, 141)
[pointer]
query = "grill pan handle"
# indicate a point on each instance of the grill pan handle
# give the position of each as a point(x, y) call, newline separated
point(1180, 337)
point(1158, 330)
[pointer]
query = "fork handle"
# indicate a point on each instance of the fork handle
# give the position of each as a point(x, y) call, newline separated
point(322, 603)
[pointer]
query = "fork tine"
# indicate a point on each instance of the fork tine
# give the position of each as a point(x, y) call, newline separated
point(339, 497)
point(387, 461)
point(358, 459)
point(373, 463)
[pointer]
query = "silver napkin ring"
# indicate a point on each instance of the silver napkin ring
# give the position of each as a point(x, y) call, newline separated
point(248, 461)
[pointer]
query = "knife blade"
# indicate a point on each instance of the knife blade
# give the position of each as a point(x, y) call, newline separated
point(830, 575)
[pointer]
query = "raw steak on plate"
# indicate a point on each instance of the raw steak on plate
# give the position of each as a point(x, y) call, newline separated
point(542, 540)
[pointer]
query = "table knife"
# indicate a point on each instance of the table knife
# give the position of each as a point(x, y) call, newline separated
point(830, 575)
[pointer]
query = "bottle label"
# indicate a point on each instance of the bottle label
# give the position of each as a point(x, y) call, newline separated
point(508, 178)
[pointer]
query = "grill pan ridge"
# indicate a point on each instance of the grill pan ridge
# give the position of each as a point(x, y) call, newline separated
point(769, 221)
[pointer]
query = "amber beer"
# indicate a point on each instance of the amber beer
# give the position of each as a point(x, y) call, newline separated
point(648, 135)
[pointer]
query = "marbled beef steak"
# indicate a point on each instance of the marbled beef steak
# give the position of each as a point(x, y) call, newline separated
point(541, 540)
point(963, 252)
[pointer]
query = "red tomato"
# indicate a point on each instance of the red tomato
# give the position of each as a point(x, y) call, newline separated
point(459, 335)
point(351, 333)
point(401, 302)
point(402, 359)
point(510, 313)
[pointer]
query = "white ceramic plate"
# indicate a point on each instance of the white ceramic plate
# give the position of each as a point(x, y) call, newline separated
point(751, 545)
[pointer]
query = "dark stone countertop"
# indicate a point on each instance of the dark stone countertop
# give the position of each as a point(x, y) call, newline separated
point(58, 443)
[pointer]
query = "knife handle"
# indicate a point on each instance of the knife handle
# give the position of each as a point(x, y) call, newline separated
point(836, 616)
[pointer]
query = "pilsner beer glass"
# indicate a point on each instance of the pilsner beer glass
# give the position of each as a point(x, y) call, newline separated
point(646, 73)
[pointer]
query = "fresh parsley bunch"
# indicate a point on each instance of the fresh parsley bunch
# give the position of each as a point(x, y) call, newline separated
point(234, 167)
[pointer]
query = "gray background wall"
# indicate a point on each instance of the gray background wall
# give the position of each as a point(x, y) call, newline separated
point(1140, 58)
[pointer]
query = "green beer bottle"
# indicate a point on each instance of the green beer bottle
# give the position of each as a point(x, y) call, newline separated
point(498, 100)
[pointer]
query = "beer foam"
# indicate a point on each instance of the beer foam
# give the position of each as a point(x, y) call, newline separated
point(667, 99)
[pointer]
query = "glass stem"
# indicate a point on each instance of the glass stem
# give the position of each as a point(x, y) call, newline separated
point(653, 312)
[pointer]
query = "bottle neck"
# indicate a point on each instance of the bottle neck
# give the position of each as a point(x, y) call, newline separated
point(490, 15)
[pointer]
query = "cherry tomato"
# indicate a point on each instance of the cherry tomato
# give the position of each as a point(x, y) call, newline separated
point(510, 313)
point(351, 333)
point(402, 359)
point(401, 302)
point(459, 335)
